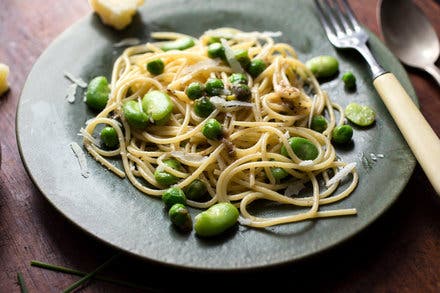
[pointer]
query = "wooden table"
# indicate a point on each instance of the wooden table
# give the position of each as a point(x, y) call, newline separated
point(398, 253)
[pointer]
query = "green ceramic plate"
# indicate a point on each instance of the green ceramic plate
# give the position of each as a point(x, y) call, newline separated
point(116, 213)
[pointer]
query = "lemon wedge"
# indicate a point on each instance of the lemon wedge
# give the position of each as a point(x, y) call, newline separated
point(116, 13)
point(4, 72)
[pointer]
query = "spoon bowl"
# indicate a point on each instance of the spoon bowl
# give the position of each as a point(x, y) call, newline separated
point(409, 35)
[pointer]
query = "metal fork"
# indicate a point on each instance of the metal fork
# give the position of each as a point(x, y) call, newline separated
point(344, 31)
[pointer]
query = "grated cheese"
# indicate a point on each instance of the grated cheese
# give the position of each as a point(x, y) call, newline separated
point(244, 221)
point(306, 163)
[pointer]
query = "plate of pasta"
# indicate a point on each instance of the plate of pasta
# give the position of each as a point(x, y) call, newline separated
point(211, 102)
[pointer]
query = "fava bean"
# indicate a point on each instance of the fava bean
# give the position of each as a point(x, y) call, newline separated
point(97, 93)
point(158, 106)
point(303, 148)
point(359, 114)
point(323, 66)
point(134, 115)
point(215, 220)
point(179, 44)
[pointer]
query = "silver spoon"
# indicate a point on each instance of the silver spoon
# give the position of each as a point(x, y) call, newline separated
point(409, 35)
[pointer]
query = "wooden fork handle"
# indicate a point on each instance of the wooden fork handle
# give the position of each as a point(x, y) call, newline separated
point(419, 135)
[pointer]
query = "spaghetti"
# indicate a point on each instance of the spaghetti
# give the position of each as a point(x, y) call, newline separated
point(236, 169)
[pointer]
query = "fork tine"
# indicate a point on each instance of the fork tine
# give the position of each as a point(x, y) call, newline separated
point(351, 15)
point(324, 21)
point(332, 17)
point(342, 17)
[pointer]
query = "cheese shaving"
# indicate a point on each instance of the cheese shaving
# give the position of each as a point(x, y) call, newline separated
point(341, 174)
point(188, 158)
point(127, 42)
point(222, 103)
point(294, 189)
point(76, 80)
point(71, 91)
point(230, 56)
point(79, 153)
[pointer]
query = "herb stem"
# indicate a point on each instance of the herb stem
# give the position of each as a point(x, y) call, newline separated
point(21, 282)
point(90, 275)
point(75, 272)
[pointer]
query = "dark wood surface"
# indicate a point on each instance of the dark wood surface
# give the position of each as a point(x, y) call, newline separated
point(400, 252)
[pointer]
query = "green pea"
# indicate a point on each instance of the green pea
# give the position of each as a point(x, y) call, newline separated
point(241, 92)
point(323, 66)
point(303, 148)
point(109, 137)
point(212, 129)
point(216, 50)
point(179, 44)
point(196, 190)
point(237, 78)
point(203, 107)
point(214, 87)
point(319, 123)
point(180, 217)
point(173, 195)
point(158, 106)
point(349, 80)
point(359, 114)
point(134, 115)
point(194, 90)
point(164, 178)
point(215, 220)
point(155, 67)
point(243, 58)
point(342, 134)
point(256, 67)
point(278, 173)
point(97, 93)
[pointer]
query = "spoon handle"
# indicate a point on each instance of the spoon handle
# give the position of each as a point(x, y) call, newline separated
point(419, 135)
point(434, 71)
